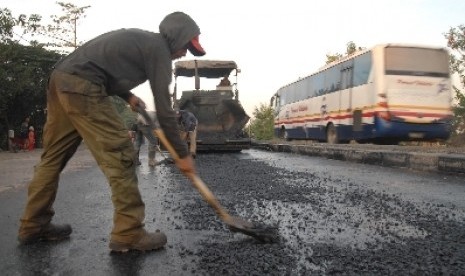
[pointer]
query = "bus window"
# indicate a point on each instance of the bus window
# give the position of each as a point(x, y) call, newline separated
point(291, 90)
point(417, 62)
point(307, 87)
point(332, 78)
point(319, 83)
point(300, 91)
point(346, 74)
point(282, 98)
point(362, 68)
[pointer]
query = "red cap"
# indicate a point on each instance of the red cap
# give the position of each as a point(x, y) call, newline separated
point(195, 48)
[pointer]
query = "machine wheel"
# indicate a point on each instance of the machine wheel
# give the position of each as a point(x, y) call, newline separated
point(331, 134)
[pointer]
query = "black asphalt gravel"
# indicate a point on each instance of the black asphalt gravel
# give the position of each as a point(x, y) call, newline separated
point(326, 226)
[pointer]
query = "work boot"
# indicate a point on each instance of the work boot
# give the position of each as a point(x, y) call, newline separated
point(50, 232)
point(147, 242)
point(152, 162)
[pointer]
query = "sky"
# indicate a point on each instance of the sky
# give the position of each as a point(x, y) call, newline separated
point(273, 42)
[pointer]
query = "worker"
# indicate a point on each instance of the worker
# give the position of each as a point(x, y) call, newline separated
point(79, 108)
point(225, 81)
point(188, 129)
point(142, 129)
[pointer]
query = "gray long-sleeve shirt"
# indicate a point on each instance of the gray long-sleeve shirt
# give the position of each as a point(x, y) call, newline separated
point(123, 59)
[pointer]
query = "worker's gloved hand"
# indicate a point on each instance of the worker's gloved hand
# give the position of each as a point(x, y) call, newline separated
point(135, 101)
point(186, 165)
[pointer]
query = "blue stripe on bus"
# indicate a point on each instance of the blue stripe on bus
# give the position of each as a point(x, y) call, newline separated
point(380, 129)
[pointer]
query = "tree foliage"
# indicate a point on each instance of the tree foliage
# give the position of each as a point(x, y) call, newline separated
point(332, 57)
point(64, 29)
point(351, 48)
point(60, 33)
point(24, 73)
point(7, 22)
point(24, 70)
point(261, 127)
point(456, 42)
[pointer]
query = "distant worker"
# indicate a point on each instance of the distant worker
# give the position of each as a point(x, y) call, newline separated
point(31, 139)
point(225, 81)
point(188, 128)
point(24, 134)
point(142, 129)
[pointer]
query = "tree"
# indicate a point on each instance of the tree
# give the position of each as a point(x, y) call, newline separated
point(262, 127)
point(64, 27)
point(7, 23)
point(61, 34)
point(351, 48)
point(332, 57)
point(24, 72)
point(456, 41)
point(29, 24)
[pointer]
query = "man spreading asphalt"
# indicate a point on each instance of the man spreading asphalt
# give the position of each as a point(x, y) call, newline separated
point(79, 109)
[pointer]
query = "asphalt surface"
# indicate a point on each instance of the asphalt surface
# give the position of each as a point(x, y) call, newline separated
point(334, 218)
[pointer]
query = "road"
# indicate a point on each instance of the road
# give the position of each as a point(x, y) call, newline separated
point(334, 217)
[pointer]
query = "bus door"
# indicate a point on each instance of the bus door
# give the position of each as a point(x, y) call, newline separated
point(347, 72)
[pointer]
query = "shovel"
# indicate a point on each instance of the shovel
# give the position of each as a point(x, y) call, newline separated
point(260, 232)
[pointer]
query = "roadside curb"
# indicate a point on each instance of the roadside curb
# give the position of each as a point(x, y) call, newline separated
point(430, 162)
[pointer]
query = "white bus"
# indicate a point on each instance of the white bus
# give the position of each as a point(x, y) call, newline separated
point(386, 94)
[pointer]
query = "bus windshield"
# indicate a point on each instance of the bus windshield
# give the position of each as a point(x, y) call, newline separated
point(416, 62)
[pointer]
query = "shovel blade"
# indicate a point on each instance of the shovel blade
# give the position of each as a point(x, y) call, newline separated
point(262, 233)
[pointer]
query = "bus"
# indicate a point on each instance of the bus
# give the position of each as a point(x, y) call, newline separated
point(386, 94)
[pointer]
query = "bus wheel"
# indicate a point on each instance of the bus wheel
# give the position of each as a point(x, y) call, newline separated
point(331, 134)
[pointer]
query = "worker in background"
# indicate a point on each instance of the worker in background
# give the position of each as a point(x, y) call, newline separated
point(188, 129)
point(225, 81)
point(142, 130)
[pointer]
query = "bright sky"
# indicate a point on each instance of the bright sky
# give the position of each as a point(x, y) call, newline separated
point(273, 42)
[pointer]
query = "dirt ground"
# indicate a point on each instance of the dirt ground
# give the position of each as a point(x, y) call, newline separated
point(16, 169)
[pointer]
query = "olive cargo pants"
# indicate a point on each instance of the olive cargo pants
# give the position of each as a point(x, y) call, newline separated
point(79, 109)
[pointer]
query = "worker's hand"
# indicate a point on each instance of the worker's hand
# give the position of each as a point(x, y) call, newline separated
point(186, 165)
point(135, 101)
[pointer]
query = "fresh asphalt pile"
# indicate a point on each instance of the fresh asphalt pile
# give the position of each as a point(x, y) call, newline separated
point(326, 225)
